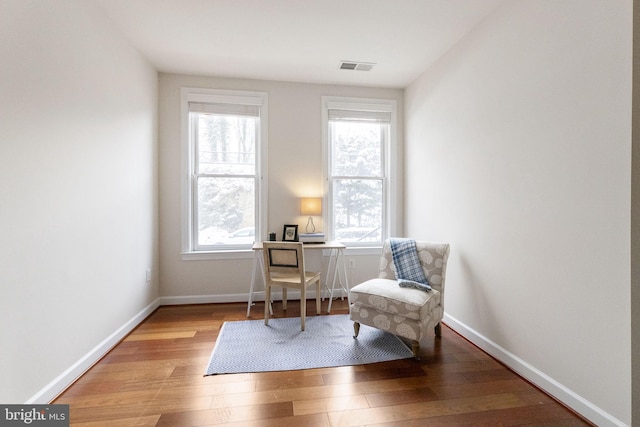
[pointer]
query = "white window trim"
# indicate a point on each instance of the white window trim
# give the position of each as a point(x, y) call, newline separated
point(187, 95)
point(391, 153)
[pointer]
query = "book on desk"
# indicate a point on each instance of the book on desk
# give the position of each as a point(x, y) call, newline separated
point(312, 238)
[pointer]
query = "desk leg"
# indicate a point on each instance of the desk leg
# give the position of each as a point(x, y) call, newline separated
point(339, 265)
point(327, 273)
point(257, 264)
point(252, 288)
point(346, 287)
point(334, 253)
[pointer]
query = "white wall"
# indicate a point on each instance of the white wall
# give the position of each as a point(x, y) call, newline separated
point(294, 170)
point(78, 191)
point(518, 153)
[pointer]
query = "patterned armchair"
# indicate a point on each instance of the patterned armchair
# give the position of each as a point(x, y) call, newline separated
point(407, 312)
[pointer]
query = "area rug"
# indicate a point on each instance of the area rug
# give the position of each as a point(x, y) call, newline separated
point(327, 341)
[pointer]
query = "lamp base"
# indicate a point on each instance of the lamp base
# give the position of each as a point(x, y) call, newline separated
point(311, 228)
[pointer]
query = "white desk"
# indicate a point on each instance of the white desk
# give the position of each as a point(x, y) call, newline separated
point(335, 266)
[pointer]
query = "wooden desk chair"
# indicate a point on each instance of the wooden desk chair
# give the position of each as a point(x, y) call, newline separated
point(284, 267)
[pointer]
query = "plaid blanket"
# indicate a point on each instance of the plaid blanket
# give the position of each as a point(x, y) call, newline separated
point(408, 269)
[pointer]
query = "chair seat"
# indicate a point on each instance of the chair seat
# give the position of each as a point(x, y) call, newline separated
point(385, 295)
point(293, 278)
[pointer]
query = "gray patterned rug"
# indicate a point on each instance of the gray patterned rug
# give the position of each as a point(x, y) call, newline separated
point(250, 346)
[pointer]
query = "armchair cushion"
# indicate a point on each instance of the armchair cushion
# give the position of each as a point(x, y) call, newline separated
point(384, 295)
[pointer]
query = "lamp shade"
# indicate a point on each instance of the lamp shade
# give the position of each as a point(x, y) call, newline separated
point(311, 206)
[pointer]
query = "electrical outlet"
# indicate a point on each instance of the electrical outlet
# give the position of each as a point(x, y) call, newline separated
point(352, 263)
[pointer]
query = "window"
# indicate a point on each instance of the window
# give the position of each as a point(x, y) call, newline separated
point(360, 135)
point(223, 145)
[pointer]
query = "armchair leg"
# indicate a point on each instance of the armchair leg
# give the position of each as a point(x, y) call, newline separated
point(438, 330)
point(415, 348)
point(356, 329)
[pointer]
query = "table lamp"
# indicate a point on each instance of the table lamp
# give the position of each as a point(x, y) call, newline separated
point(311, 206)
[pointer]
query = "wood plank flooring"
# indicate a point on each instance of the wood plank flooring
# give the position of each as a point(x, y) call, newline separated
point(155, 378)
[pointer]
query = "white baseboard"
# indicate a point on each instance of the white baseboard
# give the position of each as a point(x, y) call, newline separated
point(65, 379)
point(258, 296)
point(569, 398)
point(204, 299)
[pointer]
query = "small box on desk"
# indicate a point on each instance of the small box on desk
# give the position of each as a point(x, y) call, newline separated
point(312, 238)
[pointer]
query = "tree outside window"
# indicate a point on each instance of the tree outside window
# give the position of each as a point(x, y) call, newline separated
point(358, 138)
point(223, 192)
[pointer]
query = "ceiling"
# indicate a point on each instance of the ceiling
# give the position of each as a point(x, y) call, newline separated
point(297, 40)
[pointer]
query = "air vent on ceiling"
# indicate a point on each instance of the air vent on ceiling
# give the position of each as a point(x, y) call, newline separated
point(358, 66)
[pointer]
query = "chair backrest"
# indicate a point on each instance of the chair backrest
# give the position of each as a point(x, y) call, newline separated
point(283, 258)
point(433, 259)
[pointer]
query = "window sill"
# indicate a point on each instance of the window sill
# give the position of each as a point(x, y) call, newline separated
point(363, 250)
point(217, 255)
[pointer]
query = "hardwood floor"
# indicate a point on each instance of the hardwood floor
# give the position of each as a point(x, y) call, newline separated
point(155, 378)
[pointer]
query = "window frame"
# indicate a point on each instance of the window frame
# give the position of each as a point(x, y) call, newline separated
point(389, 167)
point(190, 251)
